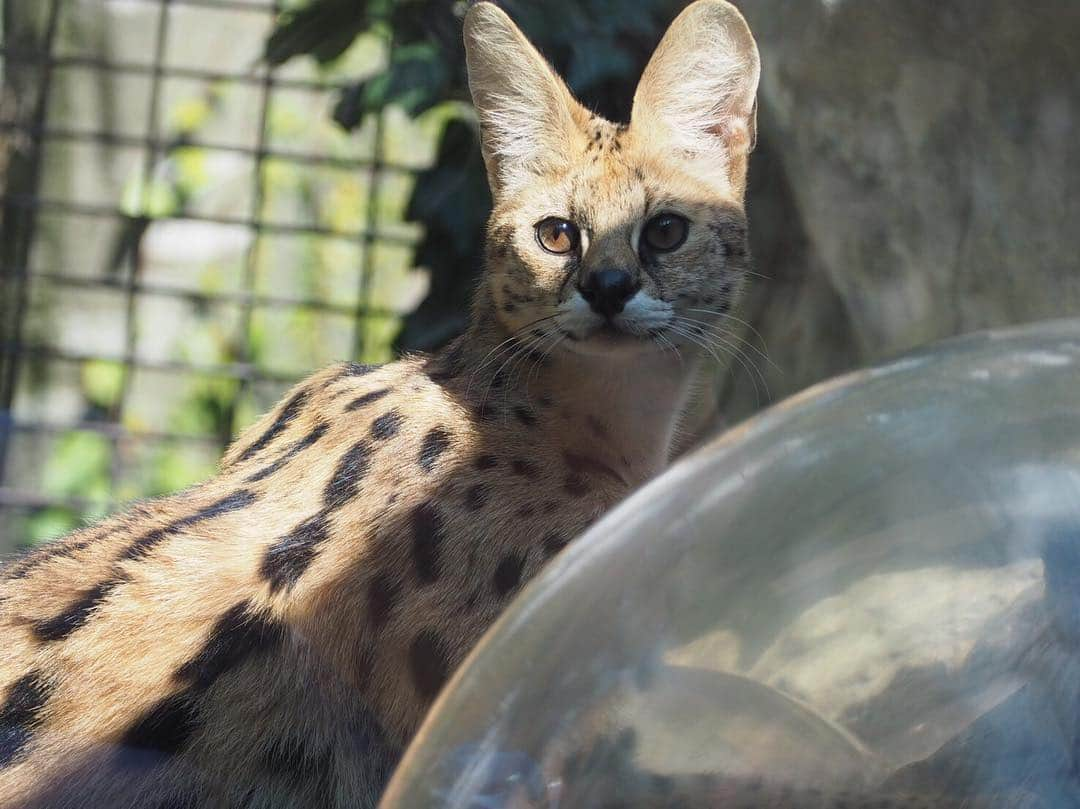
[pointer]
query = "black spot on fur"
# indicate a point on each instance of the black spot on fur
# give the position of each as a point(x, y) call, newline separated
point(383, 594)
point(288, 757)
point(525, 511)
point(449, 364)
point(300, 765)
point(366, 399)
point(234, 502)
point(56, 549)
point(581, 465)
point(427, 533)
point(485, 462)
point(476, 497)
point(508, 574)
point(20, 714)
point(524, 468)
point(75, 616)
point(554, 542)
point(387, 425)
point(509, 308)
point(290, 453)
point(525, 416)
point(364, 658)
point(286, 560)
point(239, 634)
point(429, 663)
point(284, 418)
point(575, 485)
point(436, 442)
point(344, 485)
point(165, 728)
point(597, 427)
point(472, 601)
point(356, 369)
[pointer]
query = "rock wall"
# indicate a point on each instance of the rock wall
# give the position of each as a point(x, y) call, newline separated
point(917, 177)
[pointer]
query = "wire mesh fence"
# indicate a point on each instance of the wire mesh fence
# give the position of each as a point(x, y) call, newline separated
point(180, 242)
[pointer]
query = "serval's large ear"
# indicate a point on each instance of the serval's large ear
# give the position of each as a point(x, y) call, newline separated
point(698, 93)
point(527, 116)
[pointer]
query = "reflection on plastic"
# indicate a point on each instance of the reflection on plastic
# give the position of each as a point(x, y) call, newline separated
point(869, 596)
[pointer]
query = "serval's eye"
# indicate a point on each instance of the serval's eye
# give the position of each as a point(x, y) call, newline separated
point(665, 232)
point(558, 236)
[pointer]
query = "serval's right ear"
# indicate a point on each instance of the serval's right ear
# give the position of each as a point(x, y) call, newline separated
point(527, 115)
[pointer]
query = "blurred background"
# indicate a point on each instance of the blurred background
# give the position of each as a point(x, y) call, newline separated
point(204, 200)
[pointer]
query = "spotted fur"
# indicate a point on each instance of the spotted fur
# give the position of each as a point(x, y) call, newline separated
point(274, 636)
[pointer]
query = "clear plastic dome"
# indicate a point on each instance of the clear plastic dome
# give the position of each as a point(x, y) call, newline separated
point(867, 596)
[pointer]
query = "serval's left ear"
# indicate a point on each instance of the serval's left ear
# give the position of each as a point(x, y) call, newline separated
point(699, 90)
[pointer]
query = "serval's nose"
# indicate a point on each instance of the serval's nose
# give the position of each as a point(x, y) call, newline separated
point(607, 291)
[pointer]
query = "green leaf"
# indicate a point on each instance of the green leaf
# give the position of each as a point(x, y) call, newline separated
point(102, 382)
point(78, 466)
point(323, 29)
point(155, 199)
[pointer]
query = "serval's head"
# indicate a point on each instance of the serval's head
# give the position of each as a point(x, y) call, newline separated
point(617, 238)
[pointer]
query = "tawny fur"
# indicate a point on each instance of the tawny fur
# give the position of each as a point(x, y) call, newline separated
point(274, 636)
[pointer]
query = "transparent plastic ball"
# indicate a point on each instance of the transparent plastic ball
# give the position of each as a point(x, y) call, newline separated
point(868, 596)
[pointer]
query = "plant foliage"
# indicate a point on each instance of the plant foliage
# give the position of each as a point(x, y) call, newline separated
point(600, 46)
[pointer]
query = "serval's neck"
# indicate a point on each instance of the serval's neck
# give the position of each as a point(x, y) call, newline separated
point(620, 409)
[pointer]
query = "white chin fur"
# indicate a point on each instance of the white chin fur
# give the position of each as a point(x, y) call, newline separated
point(642, 314)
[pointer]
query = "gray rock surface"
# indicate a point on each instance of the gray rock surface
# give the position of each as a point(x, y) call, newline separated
point(918, 177)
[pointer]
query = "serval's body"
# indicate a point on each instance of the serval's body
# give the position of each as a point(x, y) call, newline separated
point(274, 636)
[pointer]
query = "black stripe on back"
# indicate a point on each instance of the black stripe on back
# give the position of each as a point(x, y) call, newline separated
point(387, 425)
point(166, 727)
point(237, 635)
point(296, 762)
point(291, 452)
point(53, 550)
point(70, 545)
point(427, 536)
point(286, 560)
point(20, 713)
point(345, 483)
point(366, 399)
point(429, 662)
point(62, 625)
point(435, 443)
point(233, 502)
point(355, 369)
point(285, 417)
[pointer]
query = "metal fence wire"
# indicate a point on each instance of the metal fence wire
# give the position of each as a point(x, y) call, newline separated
point(130, 358)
